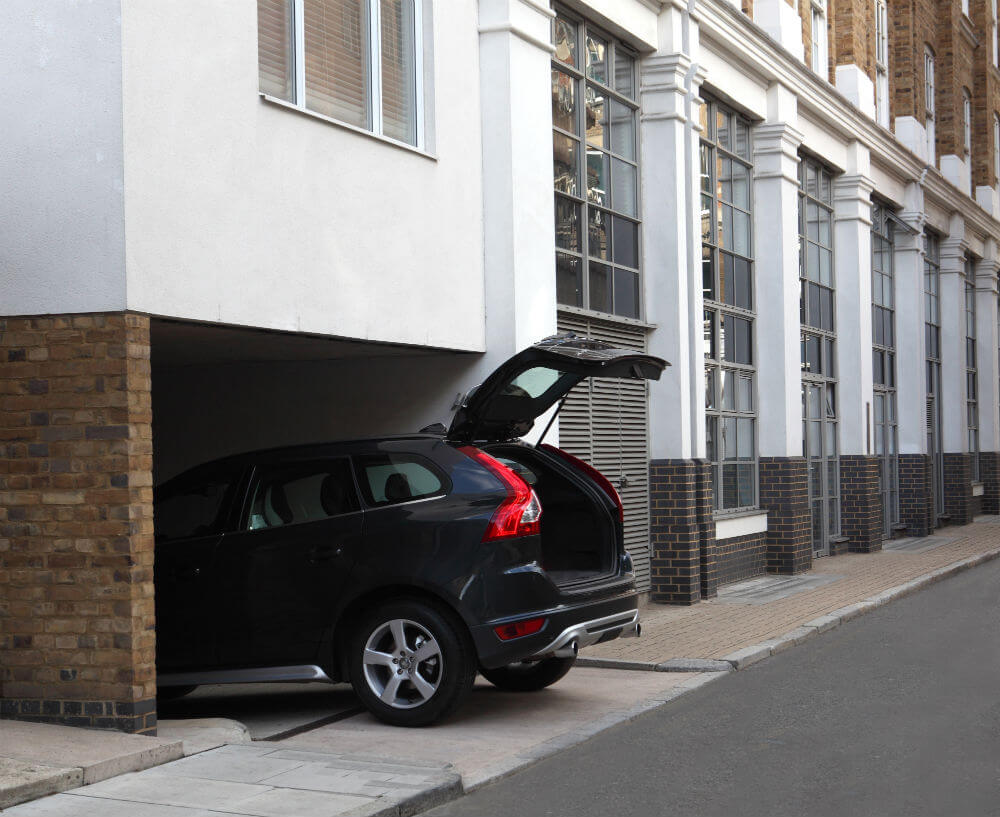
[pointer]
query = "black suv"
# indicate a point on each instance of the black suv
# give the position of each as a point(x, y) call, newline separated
point(403, 564)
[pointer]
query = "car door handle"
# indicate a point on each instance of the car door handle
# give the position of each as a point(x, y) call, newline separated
point(324, 553)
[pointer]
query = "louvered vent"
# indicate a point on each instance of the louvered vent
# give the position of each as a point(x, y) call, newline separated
point(604, 421)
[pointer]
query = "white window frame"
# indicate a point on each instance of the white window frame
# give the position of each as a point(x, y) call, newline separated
point(996, 148)
point(965, 7)
point(882, 64)
point(374, 90)
point(820, 51)
point(929, 117)
point(967, 122)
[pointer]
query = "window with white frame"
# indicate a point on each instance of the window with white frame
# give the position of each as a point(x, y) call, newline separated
point(358, 62)
point(819, 48)
point(996, 148)
point(881, 64)
point(967, 121)
point(965, 7)
point(929, 118)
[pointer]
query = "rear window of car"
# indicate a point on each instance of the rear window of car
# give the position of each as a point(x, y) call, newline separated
point(388, 479)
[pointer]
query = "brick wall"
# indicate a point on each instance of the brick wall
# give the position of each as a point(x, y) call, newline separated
point(860, 503)
point(784, 495)
point(989, 470)
point(675, 487)
point(916, 494)
point(77, 641)
point(740, 557)
point(852, 34)
point(958, 489)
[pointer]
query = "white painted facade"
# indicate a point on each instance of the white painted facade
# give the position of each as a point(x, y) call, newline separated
point(171, 187)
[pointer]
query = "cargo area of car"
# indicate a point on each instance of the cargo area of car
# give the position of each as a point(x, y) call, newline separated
point(578, 534)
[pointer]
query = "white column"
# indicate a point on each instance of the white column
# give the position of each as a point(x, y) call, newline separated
point(518, 202)
point(852, 253)
point(671, 237)
point(911, 352)
point(776, 242)
point(987, 341)
point(953, 249)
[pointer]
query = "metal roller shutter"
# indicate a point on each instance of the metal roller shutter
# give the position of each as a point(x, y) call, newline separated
point(605, 422)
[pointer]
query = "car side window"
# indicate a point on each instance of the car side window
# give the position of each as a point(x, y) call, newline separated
point(387, 479)
point(303, 492)
point(192, 507)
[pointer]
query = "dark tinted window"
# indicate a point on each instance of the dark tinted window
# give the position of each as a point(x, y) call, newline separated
point(390, 478)
point(193, 506)
point(304, 492)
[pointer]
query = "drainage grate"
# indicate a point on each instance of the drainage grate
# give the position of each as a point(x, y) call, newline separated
point(766, 589)
point(913, 544)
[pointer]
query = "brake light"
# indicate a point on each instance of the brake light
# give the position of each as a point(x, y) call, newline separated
point(593, 473)
point(517, 629)
point(520, 514)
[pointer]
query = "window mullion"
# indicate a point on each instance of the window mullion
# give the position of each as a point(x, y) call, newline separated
point(418, 70)
point(374, 67)
point(299, 51)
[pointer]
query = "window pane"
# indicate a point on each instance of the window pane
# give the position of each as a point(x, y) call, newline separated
point(598, 172)
point(274, 48)
point(399, 78)
point(710, 391)
point(564, 39)
point(304, 493)
point(569, 289)
point(597, 67)
point(708, 272)
point(622, 130)
point(597, 235)
point(390, 478)
point(597, 124)
point(741, 185)
point(730, 486)
point(747, 484)
point(729, 442)
point(626, 242)
point(741, 232)
point(600, 287)
point(744, 437)
point(567, 224)
point(742, 146)
point(728, 391)
point(626, 293)
point(193, 508)
point(564, 101)
point(709, 333)
point(564, 159)
point(624, 199)
point(624, 73)
point(336, 60)
point(736, 340)
point(744, 394)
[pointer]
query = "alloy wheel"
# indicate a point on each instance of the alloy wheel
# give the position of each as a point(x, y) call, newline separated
point(402, 663)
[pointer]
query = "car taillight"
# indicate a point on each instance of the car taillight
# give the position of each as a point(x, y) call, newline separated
point(520, 514)
point(517, 629)
point(593, 473)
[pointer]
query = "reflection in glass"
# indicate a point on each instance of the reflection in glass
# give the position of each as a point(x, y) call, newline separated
point(569, 286)
point(600, 287)
point(564, 102)
point(564, 163)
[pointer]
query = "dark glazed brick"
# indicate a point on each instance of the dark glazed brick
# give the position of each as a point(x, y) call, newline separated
point(16, 355)
point(50, 708)
point(958, 488)
point(740, 557)
point(680, 515)
point(784, 494)
point(916, 494)
point(860, 504)
point(989, 472)
point(93, 708)
point(72, 707)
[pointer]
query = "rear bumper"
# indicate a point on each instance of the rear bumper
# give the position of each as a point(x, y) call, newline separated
point(567, 629)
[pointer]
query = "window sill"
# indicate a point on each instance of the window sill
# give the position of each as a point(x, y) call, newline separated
point(739, 523)
point(281, 103)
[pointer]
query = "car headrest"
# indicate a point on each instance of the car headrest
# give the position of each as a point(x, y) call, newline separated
point(397, 488)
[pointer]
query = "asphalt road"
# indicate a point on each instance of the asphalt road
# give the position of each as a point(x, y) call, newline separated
point(895, 713)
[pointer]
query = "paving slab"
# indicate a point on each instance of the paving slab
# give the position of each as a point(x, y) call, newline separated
point(22, 780)
point(201, 734)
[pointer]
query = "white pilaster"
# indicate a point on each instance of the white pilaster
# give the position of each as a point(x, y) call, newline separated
point(912, 134)
point(852, 275)
point(672, 238)
point(518, 208)
point(953, 249)
point(911, 353)
point(776, 202)
point(956, 170)
point(989, 199)
point(782, 23)
point(987, 342)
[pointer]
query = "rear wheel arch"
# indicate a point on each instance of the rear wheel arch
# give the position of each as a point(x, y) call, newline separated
point(355, 610)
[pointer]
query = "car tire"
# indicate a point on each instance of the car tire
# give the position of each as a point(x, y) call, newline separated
point(411, 663)
point(172, 693)
point(529, 676)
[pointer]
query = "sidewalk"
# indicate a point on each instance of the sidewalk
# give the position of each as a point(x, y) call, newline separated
point(358, 766)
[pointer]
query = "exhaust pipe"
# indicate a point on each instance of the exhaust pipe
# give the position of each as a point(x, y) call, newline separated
point(569, 651)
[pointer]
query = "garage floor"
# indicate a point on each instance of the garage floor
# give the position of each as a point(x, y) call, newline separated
point(269, 711)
